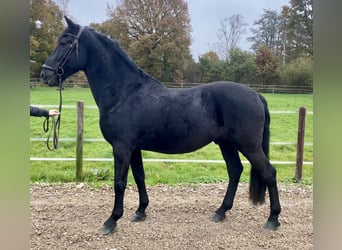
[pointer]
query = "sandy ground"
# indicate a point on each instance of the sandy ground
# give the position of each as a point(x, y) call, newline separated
point(69, 216)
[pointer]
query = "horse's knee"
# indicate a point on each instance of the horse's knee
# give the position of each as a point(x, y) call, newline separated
point(119, 187)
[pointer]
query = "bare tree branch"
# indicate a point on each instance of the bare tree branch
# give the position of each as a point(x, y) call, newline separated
point(229, 34)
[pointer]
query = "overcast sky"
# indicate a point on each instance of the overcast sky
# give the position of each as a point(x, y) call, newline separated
point(205, 17)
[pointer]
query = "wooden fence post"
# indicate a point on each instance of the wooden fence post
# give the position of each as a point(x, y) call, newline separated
point(300, 143)
point(79, 142)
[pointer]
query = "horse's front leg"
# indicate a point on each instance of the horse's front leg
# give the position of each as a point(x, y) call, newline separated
point(121, 163)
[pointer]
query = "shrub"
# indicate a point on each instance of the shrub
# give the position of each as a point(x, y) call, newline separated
point(297, 72)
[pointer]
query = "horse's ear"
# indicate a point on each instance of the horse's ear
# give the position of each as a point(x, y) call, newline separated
point(70, 23)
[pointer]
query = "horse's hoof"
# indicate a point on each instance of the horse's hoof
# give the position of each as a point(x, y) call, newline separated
point(272, 225)
point(105, 230)
point(138, 217)
point(218, 217)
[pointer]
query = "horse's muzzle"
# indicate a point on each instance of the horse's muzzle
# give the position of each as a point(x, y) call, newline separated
point(49, 77)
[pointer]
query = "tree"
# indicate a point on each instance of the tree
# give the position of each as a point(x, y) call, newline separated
point(288, 36)
point(229, 34)
point(192, 73)
point(298, 24)
point(156, 34)
point(45, 27)
point(267, 64)
point(267, 32)
point(210, 67)
point(240, 67)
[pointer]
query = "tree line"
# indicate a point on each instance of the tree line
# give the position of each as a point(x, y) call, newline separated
point(157, 36)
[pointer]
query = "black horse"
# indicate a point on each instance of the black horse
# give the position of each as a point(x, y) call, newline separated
point(138, 113)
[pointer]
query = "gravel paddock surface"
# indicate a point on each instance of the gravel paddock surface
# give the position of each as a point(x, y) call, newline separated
point(69, 216)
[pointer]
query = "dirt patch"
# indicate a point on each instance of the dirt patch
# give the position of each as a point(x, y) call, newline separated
point(69, 216)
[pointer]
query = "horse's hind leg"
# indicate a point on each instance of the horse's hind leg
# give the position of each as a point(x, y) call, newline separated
point(264, 174)
point(139, 177)
point(234, 168)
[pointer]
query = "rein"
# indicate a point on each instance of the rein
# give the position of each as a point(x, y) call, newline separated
point(59, 71)
point(55, 122)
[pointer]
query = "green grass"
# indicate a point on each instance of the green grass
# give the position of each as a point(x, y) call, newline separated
point(283, 129)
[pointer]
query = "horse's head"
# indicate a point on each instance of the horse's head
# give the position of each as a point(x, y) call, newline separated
point(67, 58)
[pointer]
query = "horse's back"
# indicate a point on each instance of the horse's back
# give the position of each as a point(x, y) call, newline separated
point(231, 90)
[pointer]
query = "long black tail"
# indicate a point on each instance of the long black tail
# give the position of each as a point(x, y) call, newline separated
point(257, 186)
point(266, 136)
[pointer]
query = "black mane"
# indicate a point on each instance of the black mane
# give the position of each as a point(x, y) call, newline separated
point(113, 45)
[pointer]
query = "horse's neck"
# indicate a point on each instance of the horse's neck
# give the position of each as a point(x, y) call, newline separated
point(109, 79)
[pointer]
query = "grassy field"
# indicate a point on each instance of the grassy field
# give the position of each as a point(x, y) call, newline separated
point(283, 129)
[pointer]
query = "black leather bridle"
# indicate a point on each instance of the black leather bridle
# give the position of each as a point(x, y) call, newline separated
point(59, 71)
point(74, 45)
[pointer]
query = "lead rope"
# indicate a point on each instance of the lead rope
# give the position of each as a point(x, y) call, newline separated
point(59, 71)
point(55, 122)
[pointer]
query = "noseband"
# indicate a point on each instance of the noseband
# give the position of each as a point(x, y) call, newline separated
point(59, 71)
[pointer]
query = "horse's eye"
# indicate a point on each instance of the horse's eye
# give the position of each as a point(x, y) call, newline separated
point(64, 41)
